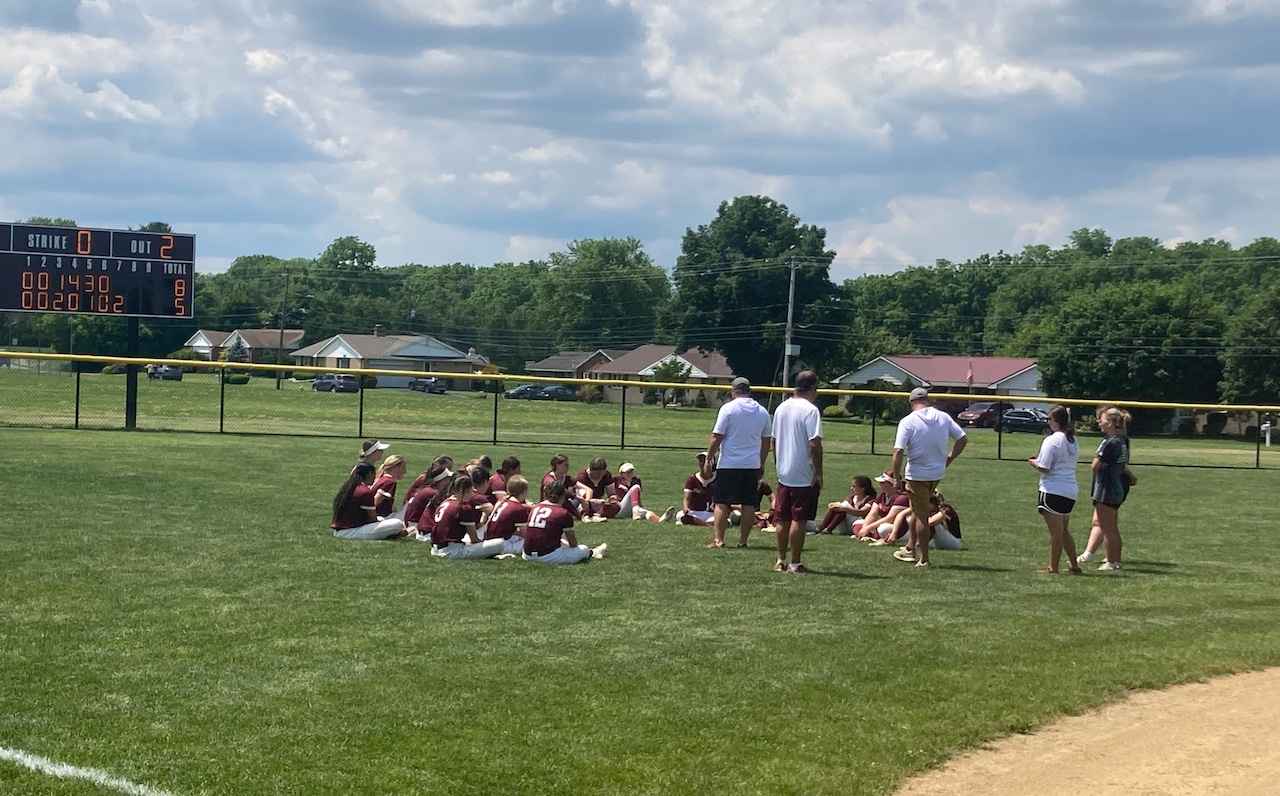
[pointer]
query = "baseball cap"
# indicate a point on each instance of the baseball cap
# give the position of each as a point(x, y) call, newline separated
point(919, 394)
point(885, 478)
point(371, 445)
point(741, 384)
point(627, 467)
point(702, 454)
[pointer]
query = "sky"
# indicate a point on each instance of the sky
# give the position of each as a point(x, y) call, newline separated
point(483, 131)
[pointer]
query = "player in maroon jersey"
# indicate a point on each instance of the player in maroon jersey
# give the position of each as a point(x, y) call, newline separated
point(594, 487)
point(498, 481)
point(353, 512)
point(626, 487)
point(559, 472)
point(454, 532)
point(390, 472)
point(548, 534)
point(699, 491)
point(510, 516)
point(431, 476)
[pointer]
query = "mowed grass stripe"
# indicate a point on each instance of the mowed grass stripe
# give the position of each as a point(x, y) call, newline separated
point(176, 611)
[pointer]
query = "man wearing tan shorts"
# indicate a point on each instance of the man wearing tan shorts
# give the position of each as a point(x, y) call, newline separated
point(922, 441)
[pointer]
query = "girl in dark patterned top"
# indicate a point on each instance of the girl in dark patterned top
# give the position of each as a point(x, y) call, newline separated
point(1110, 486)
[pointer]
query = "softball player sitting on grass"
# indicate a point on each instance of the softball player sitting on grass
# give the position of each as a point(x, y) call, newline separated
point(454, 532)
point(510, 516)
point(548, 534)
point(353, 509)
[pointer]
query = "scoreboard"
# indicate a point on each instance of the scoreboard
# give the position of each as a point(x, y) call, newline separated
point(96, 271)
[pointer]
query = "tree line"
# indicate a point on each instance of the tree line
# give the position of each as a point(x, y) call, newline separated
point(1125, 319)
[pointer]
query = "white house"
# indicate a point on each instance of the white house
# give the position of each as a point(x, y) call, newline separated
point(1012, 376)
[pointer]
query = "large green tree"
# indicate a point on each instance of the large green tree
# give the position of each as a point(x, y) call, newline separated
point(602, 293)
point(732, 282)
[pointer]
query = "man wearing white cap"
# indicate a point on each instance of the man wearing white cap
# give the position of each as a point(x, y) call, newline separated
point(742, 436)
point(922, 441)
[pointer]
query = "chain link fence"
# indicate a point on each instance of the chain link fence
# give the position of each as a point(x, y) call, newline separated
point(84, 392)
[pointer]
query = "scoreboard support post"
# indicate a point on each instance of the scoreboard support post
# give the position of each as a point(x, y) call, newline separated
point(131, 379)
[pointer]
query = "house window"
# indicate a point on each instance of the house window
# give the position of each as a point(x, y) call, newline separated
point(344, 362)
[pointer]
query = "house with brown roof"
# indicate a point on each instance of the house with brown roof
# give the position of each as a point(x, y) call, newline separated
point(571, 364)
point(259, 344)
point(384, 351)
point(639, 364)
point(1013, 376)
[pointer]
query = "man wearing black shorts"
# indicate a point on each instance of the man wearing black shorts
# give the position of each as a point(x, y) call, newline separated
point(742, 435)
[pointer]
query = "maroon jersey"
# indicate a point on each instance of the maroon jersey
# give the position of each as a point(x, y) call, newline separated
point(480, 500)
point(497, 483)
point(599, 489)
point(451, 516)
point(620, 489)
point(547, 523)
point(700, 494)
point(567, 479)
point(418, 483)
point(952, 518)
point(508, 514)
point(885, 502)
point(356, 512)
point(386, 505)
point(416, 506)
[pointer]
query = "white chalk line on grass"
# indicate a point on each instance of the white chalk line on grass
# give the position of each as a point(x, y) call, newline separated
point(66, 771)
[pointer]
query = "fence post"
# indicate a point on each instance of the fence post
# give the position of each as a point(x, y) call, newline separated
point(360, 420)
point(222, 398)
point(77, 394)
point(1257, 453)
point(622, 436)
point(495, 413)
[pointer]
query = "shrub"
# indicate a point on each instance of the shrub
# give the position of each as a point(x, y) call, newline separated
point(235, 378)
point(368, 381)
point(650, 396)
point(834, 410)
point(113, 370)
point(590, 393)
point(700, 400)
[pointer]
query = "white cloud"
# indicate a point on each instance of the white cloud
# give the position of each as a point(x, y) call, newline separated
point(497, 177)
point(631, 185)
point(551, 152)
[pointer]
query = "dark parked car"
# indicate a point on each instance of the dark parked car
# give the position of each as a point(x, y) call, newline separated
point(169, 373)
point(428, 384)
point(525, 391)
point(984, 414)
point(1023, 420)
point(555, 392)
point(331, 382)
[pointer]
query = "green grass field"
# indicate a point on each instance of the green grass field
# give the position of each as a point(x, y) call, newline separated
point(175, 613)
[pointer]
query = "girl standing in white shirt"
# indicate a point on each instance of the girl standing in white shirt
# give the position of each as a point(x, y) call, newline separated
point(1058, 489)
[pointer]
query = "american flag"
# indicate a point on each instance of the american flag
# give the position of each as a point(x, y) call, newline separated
point(968, 376)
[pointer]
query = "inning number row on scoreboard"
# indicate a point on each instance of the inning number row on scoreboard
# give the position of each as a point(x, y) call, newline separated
point(96, 271)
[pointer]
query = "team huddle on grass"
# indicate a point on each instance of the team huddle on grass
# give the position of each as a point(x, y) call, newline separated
point(478, 513)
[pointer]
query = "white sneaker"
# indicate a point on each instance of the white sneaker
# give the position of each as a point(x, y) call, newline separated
point(1109, 566)
point(639, 513)
point(1085, 557)
point(598, 550)
point(735, 517)
point(668, 515)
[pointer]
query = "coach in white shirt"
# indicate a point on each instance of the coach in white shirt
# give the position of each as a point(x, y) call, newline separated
point(742, 435)
point(922, 441)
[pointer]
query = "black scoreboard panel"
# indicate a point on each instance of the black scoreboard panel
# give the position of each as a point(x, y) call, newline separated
point(96, 271)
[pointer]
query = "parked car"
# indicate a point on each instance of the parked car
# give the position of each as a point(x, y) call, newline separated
point(1023, 420)
point(525, 391)
point(428, 384)
point(555, 392)
point(331, 382)
point(325, 383)
point(169, 373)
point(984, 414)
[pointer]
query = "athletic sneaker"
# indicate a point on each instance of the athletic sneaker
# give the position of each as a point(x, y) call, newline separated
point(903, 554)
point(598, 550)
point(735, 517)
point(639, 513)
point(779, 567)
point(1085, 557)
point(798, 569)
point(1110, 566)
point(669, 514)
point(925, 564)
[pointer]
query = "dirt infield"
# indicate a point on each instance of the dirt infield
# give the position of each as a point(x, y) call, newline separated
point(1219, 737)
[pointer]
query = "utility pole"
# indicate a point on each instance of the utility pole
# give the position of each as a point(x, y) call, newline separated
point(791, 306)
point(284, 301)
